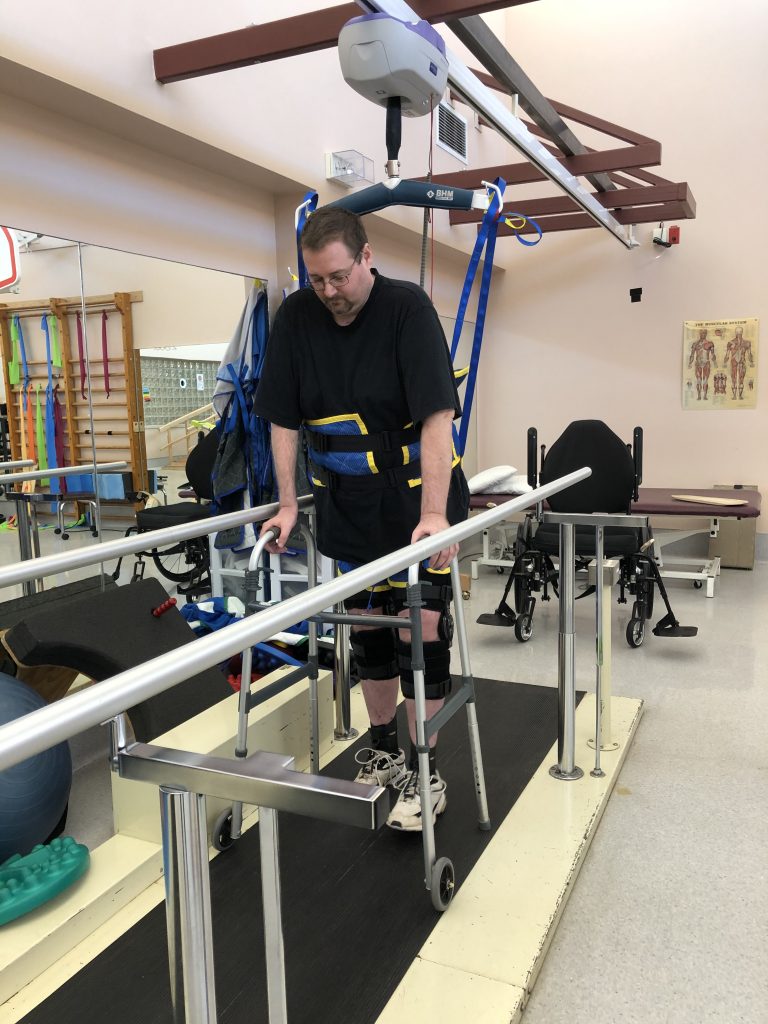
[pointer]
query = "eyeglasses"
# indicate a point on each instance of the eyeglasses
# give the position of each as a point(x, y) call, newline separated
point(337, 280)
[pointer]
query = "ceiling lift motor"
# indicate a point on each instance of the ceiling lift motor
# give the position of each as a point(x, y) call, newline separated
point(397, 65)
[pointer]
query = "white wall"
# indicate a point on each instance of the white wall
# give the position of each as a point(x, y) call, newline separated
point(565, 342)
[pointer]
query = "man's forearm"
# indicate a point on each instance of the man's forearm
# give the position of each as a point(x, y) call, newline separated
point(285, 444)
point(436, 461)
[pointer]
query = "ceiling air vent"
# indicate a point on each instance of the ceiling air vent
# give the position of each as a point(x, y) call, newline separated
point(452, 132)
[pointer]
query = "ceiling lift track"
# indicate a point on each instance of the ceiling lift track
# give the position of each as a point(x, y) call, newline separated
point(481, 99)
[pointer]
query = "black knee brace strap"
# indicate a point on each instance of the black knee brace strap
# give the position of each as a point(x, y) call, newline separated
point(437, 669)
point(374, 652)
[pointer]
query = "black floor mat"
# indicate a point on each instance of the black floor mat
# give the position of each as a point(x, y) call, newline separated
point(355, 909)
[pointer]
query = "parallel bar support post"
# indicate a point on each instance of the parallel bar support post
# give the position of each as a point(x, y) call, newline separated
point(566, 768)
point(314, 715)
point(273, 919)
point(478, 774)
point(597, 771)
point(188, 906)
point(25, 541)
point(341, 669)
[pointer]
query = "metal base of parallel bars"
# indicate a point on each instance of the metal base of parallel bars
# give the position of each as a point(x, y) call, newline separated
point(268, 781)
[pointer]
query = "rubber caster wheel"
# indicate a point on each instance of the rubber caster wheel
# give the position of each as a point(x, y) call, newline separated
point(465, 595)
point(57, 531)
point(697, 584)
point(524, 628)
point(635, 632)
point(65, 536)
point(443, 884)
point(499, 570)
point(221, 835)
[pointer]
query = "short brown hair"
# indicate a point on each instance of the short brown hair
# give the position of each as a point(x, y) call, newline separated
point(334, 224)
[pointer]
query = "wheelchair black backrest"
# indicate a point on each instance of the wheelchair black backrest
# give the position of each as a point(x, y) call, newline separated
point(199, 464)
point(613, 482)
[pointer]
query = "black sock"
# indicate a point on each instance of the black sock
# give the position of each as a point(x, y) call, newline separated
point(413, 760)
point(384, 737)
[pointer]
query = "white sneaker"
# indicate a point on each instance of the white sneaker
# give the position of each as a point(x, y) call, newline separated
point(406, 814)
point(379, 768)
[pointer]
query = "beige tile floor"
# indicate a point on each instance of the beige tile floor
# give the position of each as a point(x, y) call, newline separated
point(667, 919)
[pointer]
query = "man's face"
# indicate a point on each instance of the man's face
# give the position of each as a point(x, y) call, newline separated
point(336, 262)
point(702, 335)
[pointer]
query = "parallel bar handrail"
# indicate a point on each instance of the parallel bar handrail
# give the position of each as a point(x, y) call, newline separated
point(42, 729)
point(57, 471)
point(48, 565)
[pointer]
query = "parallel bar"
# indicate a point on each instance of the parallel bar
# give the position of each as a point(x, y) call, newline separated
point(42, 729)
point(596, 519)
point(43, 474)
point(49, 565)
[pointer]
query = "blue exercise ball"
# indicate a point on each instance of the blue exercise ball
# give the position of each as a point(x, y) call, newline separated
point(33, 794)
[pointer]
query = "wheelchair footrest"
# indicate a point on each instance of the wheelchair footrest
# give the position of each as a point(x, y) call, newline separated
point(669, 626)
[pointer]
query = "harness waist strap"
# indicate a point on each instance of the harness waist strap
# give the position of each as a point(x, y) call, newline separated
point(384, 441)
point(396, 477)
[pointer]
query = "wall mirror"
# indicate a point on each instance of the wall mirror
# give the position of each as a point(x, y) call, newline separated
point(133, 357)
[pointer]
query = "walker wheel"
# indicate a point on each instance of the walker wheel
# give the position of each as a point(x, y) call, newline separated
point(524, 628)
point(697, 584)
point(443, 884)
point(500, 570)
point(635, 632)
point(221, 834)
point(57, 531)
point(65, 536)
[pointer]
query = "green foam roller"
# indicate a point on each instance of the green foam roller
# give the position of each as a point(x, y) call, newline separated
point(29, 882)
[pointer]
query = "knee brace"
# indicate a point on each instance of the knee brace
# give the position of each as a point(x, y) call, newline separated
point(374, 653)
point(437, 668)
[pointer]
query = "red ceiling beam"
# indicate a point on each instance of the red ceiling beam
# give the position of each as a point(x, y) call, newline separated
point(519, 174)
point(303, 33)
point(633, 215)
point(618, 199)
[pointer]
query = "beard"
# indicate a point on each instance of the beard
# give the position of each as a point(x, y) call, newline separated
point(338, 305)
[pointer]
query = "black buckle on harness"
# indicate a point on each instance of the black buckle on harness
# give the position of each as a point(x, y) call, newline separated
point(318, 441)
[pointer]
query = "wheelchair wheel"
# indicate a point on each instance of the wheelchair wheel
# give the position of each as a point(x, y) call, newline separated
point(183, 562)
point(524, 628)
point(635, 632)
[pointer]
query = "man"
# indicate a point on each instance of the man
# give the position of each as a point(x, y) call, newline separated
point(362, 363)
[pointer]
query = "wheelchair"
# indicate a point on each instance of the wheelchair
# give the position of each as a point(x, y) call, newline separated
point(187, 563)
point(617, 472)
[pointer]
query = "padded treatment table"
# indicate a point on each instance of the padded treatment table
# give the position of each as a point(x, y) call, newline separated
point(655, 501)
point(102, 634)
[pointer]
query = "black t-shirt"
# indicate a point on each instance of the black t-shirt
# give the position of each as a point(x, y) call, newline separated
point(387, 369)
